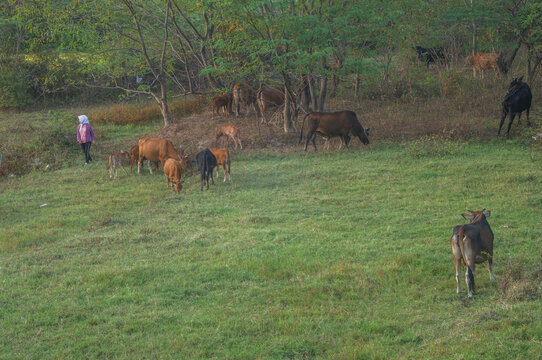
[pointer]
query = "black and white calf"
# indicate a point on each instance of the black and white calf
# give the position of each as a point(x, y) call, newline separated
point(206, 163)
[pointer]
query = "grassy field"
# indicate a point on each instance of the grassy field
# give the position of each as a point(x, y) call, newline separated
point(328, 255)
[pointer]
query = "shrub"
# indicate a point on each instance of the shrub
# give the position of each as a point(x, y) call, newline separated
point(433, 145)
point(15, 87)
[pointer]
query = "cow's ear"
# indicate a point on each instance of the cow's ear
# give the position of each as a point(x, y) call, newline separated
point(487, 214)
point(367, 130)
point(469, 217)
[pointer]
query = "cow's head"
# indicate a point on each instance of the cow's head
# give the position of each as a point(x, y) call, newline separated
point(185, 163)
point(218, 134)
point(178, 185)
point(365, 138)
point(476, 216)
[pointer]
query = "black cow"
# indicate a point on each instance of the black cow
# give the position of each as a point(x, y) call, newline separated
point(517, 99)
point(206, 163)
point(430, 55)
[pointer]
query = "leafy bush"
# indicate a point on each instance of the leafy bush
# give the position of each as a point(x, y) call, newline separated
point(15, 87)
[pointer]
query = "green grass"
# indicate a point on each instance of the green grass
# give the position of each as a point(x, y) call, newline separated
point(327, 255)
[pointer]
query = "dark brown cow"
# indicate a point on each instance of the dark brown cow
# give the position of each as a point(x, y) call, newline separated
point(484, 61)
point(268, 98)
point(331, 124)
point(244, 93)
point(118, 159)
point(154, 149)
point(472, 244)
point(224, 102)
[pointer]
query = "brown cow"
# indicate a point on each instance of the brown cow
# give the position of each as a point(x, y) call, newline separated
point(231, 132)
point(154, 149)
point(244, 93)
point(224, 102)
point(134, 157)
point(472, 244)
point(332, 124)
point(484, 61)
point(222, 158)
point(173, 171)
point(118, 159)
point(268, 98)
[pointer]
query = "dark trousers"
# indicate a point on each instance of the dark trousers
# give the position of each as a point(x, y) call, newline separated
point(86, 149)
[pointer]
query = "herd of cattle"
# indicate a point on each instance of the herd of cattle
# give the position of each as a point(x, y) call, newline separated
point(471, 243)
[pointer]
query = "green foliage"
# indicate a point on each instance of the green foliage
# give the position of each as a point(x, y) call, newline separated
point(15, 87)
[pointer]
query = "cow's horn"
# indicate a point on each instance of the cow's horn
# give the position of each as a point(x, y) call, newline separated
point(470, 210)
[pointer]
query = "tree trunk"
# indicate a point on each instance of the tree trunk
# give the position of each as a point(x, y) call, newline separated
point(312, 90)
point(289, 104)
point(356, 86)
point(164, 108)
point(323, 93)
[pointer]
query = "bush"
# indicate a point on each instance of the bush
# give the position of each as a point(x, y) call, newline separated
point(433, 146)
point(15, 87)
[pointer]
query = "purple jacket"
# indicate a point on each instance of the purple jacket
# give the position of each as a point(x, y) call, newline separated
point(84, 133)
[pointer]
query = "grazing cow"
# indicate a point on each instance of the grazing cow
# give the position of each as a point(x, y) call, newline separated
point(472, 244)
point(231, 132)
point(224, 102)
point(430, 55)
point(332, 124)
point(222, 158)
point(517, 99)
point(118, 159)
point(134, 157)
point(206, 163)
point(484, 61)
point(244, 93)
point(173, 171)
point(268, 98)
point(155, 150)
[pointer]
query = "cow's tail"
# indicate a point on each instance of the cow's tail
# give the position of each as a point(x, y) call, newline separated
point(302, 126)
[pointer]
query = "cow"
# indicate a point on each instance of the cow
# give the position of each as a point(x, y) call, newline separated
point(231, 132)
point(134, 157)
point(268, 98)
point(206, 163)
point(224, 102)
point(222, 158)
point(517, 99)
point(118, 159)
point(154, 149)
point(331, 124)
point(430, 55)
point(244, 93)
point(472, 244)
point(484, 61)
point(173, 171)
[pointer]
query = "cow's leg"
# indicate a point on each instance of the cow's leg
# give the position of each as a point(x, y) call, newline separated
point(490, 267)
point(239, 141)
point(139, 165)
point(346, 139)
point(122, 166)
point(149, 166)
point(528, 121)
point(501, 124)
point(519, 118)
point(223, 169)
point(229, 173)
point(202, 178)
point(115, 169)
point(456, 252)
point(212, 178)
point(512, 116)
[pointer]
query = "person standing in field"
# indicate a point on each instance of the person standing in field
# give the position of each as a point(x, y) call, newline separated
point(85, 137)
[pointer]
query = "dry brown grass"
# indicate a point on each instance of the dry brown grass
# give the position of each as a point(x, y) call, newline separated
point(518, 283)
point(143, 113)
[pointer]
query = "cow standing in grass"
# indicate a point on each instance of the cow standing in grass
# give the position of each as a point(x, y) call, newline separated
point(268, 98)
point(155, 150)
point(472, 244)
point(243, 93)
point(134, 157)
point(173, 171)
point(206, 163)
point(332, 124)
point(116, 160)
point(517, 99)
point(224, 102)
point(222, 158)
